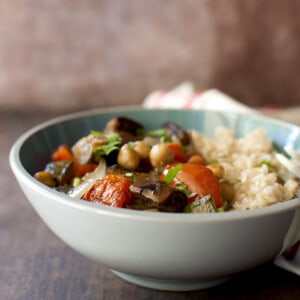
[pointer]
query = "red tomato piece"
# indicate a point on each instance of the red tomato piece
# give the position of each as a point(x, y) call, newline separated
point(81, 170)
point(178, 152)
point(110, 190)
point(201, 180)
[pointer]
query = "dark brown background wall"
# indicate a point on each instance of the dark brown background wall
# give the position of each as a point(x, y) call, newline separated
point(72, 54)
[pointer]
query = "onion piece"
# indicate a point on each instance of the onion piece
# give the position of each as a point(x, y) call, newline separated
point(88, 180)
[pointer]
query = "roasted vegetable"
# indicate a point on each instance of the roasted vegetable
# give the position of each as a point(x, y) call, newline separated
point(175, 132)
point(126, 128)
point(62, 171)
point(199, 180)
point(46, 178)
point(87, 180)
point(179, 153)
point(63, 152)
point(83, 149)
point(153, 193)
point(202, 205)
point(122, 166)
point(110, 190)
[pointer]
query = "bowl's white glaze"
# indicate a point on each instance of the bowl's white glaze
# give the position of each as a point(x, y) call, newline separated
point(159, 250)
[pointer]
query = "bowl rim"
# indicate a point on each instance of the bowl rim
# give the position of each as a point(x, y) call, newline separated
point(25, 178)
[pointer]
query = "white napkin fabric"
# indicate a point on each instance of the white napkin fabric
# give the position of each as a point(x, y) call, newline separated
point(185, 96)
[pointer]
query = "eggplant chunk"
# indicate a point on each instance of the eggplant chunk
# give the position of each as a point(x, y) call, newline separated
point(175, 131)
point(62, 171)
point(128, 129)
point(153, 193)
point(46, 178)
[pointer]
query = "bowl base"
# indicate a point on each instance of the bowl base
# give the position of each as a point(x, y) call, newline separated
point(170, 285)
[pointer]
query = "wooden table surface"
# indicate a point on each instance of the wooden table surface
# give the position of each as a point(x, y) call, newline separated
point(35, 264)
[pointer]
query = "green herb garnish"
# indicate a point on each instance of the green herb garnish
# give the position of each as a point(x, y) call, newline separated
point(180, 186)
point(157, 132)
point(265, 162)
point(113, 142)
point(131, 176)
point(237, 180)
point(96, 132)
point(161, 133)
point(76, 181)
point(171, 174)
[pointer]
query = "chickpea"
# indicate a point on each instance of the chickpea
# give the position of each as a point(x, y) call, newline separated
point(161, 155)
point(217, 169)
point(142, 149)
point(46, 178)
point(196, 159)
point(128, 158)
point(227, 191)
point(151, 140)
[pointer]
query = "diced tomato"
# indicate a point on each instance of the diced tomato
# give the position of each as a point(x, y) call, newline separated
point(178, 152)
point(63, 152)
point(81, 170)
point(200, 180)
point(110, 190)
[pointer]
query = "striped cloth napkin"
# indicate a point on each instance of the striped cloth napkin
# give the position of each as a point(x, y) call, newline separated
point(185, 96)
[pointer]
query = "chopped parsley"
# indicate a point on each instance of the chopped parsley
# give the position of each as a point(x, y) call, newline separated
point(180, 186)
point(161, 133)
point(96, 132)
point(131, 176)
point(237, 180)
point(265, 162)
point(113, 142)
point(171, 174)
